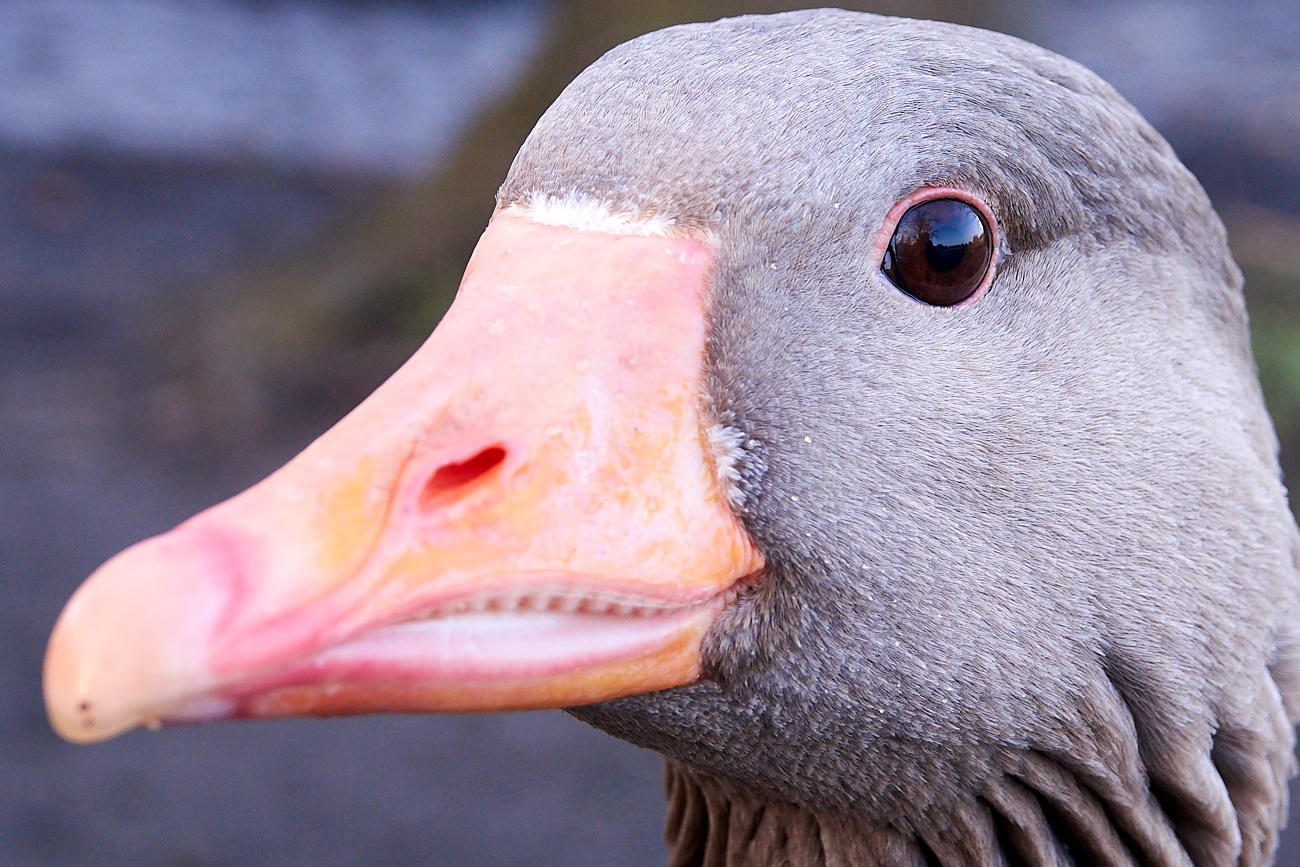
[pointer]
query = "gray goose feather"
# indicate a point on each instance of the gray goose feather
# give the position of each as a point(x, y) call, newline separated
point(1032, 595)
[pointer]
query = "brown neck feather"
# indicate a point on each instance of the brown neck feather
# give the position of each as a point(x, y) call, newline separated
point(717, 823)
point(1035, 811)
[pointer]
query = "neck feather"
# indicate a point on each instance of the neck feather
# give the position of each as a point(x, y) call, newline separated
point(1038, 811)
point(718, 823)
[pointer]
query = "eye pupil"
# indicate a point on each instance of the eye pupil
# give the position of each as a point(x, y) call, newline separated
point(943, 258)
point(940, 252)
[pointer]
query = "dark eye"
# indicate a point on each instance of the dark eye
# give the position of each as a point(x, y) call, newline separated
point(940, 252)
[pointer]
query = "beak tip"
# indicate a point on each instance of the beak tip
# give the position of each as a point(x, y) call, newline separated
point(126, 648)
point(69, 683)
point(72, 712)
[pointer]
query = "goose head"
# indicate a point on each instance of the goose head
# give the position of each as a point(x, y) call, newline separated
point(858, 411)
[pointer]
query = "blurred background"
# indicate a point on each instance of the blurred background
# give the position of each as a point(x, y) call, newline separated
point(223, 222)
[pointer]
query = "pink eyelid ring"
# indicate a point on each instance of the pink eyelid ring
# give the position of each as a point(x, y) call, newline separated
point(926, 194)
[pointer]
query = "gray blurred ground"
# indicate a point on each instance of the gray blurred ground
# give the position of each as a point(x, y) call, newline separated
point(145, 146)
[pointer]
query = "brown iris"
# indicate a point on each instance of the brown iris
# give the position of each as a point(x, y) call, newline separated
point(940, 252)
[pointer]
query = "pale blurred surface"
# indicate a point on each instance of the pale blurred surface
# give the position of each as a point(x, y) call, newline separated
point(162, 163)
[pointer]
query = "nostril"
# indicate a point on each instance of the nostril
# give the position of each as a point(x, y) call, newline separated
point(450, 477)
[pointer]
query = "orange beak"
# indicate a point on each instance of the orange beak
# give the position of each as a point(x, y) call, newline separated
point(526, 515)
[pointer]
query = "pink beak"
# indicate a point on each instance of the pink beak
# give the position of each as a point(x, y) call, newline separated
point(528, 514)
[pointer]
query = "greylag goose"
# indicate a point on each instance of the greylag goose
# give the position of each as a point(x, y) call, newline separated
point(858, 411)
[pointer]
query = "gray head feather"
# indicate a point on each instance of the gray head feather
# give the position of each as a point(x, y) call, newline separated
point(1032, 590)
